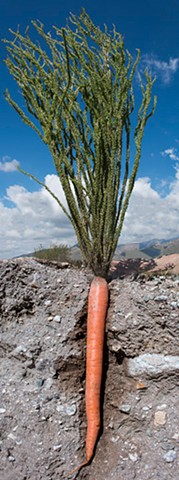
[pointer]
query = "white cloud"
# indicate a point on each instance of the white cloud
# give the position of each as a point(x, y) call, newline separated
point(8, 165)
point(171, 152)
point(144, 190)
point(165, 70)
point(150, 215)
point(36, 218)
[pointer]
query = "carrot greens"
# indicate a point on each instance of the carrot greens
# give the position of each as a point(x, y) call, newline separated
point(79, 98)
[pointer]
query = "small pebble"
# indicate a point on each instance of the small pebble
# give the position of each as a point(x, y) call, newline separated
point(161, 298)
point(20, 349)
point(159, 418)
point(2, 410)
point(47, 302)
point(48, 383)
point(35, 279)
point(12, 436)
point(11, 458)
point(125, 408)
point(57, 318)
point(115, 439)
point(111, 424)
point(67, 409)
point(57, 447)
point(133, 457)
point(170, 456)
point(116, 347)
point(147, 298)
point(174, 304)
point(163, 406)
point(39, 382)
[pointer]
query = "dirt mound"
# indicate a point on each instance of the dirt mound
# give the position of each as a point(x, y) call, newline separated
point(168, 262)
point(42, 347)
point(134, 266)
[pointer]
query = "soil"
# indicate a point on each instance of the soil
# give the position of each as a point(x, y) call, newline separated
point(43, 309)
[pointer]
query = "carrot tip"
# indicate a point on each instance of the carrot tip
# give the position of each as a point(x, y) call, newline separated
point(77, 468)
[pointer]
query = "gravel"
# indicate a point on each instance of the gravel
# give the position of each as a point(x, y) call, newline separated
point(42, 375)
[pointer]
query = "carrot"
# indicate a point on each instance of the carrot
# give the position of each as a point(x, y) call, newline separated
point(97, 309)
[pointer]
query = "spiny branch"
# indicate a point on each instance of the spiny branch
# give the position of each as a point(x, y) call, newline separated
point(79, 99)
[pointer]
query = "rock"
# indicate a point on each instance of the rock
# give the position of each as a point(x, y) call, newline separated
point(146, 408)
point(48, 382)
point(116, 347)
point(11, 458)
point(174, 304)
point(57, 318)
point(152, 365)
point(47, 302)
point(161, 298)
point(66, 409)
point(125, 408)
point(2, 410)
point(57, 447)
point(170, 456)
point(147, 298)
point(115, 439)
point(159, 418)
point(133, 456)
point(39, 382)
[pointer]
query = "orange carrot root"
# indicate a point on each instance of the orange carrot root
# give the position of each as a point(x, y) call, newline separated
point(97, 309)
point(77, 468)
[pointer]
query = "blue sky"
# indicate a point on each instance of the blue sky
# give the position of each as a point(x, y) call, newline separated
point(29, 217)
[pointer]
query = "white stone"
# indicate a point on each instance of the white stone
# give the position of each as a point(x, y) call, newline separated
point(11, 458)
point(57, 447)
point(129, 314)
point(170, 456)
point(125, 408)
point(12, 436)
point(66, 409)
point(48, 383)
point(152, 364)
point(2, 410)
point(160, 418)
point(133, 457)
point(20, 349)
point(57, 318)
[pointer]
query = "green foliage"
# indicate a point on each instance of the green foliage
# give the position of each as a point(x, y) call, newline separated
point(79, 91)
point(60, 253)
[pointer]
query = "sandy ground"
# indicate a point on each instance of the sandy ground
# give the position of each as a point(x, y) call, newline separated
point(43, 312)
point(169, 263)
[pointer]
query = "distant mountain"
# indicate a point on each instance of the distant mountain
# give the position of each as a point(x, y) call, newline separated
point(149, 249)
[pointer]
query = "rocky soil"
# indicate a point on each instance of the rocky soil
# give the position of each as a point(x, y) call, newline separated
point(42, 347)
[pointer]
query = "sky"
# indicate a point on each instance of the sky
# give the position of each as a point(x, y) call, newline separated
point(29, 216)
